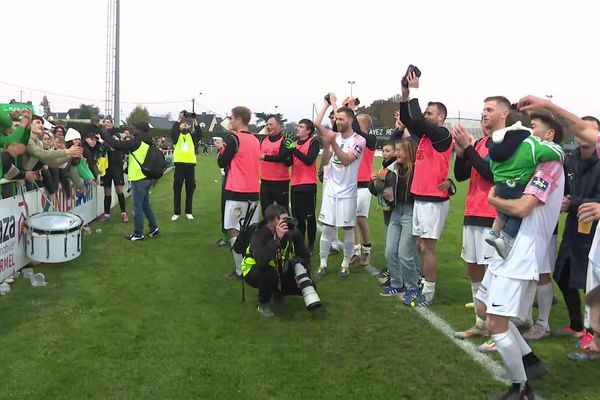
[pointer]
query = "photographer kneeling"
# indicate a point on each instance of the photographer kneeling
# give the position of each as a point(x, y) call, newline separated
point(277, 262)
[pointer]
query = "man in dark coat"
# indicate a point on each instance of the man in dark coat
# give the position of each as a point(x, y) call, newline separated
point(582, 171)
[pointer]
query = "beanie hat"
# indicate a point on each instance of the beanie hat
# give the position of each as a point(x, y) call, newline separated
point(72, 134)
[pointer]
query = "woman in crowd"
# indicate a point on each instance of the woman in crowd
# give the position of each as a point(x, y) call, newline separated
point(401, 247)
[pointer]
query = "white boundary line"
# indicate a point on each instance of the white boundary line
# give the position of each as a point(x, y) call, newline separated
point(494, 368)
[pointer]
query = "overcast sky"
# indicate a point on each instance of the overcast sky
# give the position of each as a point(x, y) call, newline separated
point(266, 53)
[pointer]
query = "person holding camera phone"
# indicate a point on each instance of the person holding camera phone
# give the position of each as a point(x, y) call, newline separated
point(430, 184)
point(274, 246)
point(184, 158)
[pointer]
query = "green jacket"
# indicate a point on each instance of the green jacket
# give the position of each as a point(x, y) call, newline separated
point(522, 164)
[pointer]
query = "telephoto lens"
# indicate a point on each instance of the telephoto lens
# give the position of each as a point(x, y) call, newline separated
point(311, 298)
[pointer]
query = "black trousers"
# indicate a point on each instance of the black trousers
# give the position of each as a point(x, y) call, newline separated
point(572, 298)
point(270, 283)
point(303, 209)
point(184, 173)
point(271, 192)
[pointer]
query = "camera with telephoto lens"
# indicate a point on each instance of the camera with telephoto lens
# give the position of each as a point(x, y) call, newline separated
point(187, 114)
point(311, 298)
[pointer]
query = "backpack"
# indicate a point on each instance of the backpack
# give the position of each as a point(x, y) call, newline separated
point(154, 165)
point(246, 231)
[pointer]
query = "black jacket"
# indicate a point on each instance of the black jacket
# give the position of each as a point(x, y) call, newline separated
point(412, 117)
point(400, 185)
point(264, 247)
point(90, 153)
point(583, 184)
point(128, 146)
point(115, 157)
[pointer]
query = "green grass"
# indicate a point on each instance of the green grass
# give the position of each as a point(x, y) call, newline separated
point(156, 320)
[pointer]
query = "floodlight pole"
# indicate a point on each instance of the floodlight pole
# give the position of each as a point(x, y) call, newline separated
point(117, 105)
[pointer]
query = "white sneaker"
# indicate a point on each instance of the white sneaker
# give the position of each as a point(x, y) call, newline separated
point(504, 245)
point(189, 216)
point(321, 271)
point(490, 237)
point(175, 217)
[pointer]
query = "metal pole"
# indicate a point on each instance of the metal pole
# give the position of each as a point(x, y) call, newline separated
point(193, 105)
point(117, 105)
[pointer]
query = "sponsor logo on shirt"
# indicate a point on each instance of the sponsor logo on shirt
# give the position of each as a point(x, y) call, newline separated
point(420, 155)
point(540, 183)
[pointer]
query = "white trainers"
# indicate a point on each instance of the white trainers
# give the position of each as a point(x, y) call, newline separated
point(344, 272)
point(321, 271)
point(491, 237)
point(189, 216)
point(175, 217)
point(536, 332)
point(504, 245)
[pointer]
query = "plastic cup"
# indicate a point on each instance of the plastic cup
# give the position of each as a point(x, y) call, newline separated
point(4, 289)
point(38, 280)
point(27, 272)
point(584, 227)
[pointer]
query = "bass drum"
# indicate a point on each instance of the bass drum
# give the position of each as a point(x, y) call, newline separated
point(53, 237)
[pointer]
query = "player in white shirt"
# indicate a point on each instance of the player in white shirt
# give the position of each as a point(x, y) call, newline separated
point(342, 152)
point(587, 212)
point(509, 285)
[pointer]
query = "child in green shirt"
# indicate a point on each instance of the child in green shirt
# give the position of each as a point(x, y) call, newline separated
point(514, 156)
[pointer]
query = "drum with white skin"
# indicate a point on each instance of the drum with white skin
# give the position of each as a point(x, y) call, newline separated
point(53, 237)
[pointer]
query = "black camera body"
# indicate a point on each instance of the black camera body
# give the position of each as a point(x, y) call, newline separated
point(187, 114)
point(291, 223)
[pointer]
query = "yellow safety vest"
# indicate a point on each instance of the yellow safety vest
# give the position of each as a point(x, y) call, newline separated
point(248, 261)
point(183, 151)
point(134, 169)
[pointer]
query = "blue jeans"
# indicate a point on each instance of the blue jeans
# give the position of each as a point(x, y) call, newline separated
point(401, 248)
point(140, 190)
point(512, 224)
